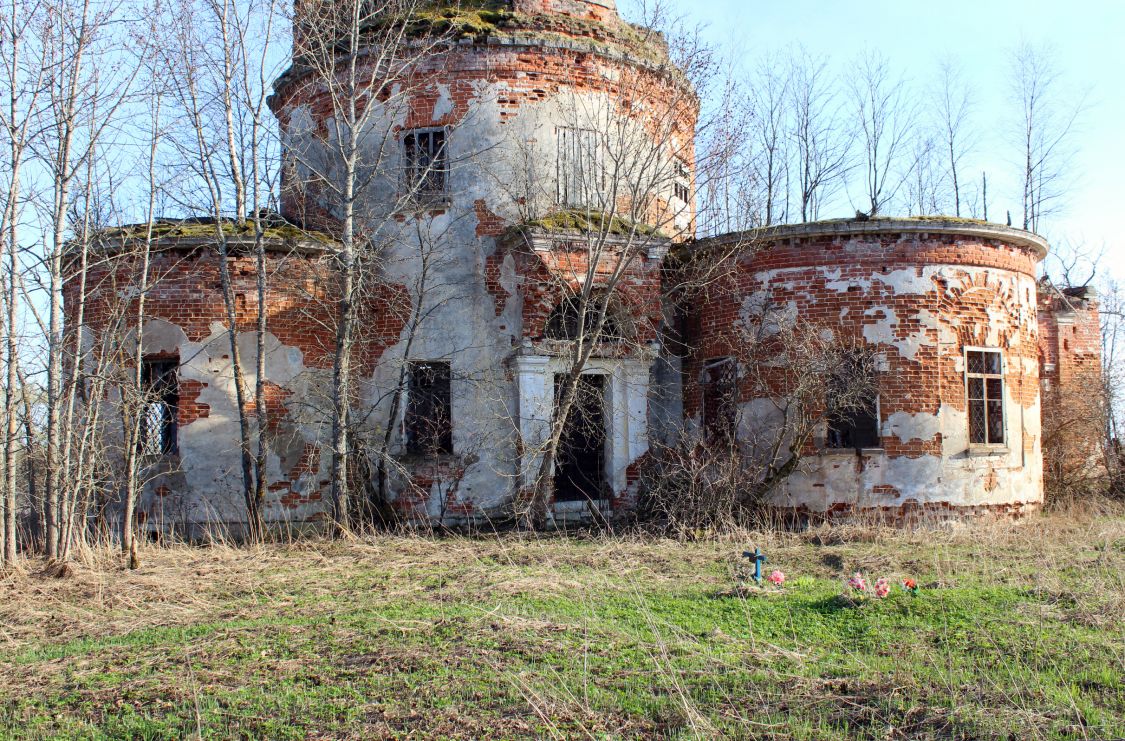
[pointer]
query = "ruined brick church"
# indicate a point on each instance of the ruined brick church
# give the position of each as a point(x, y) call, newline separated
point(469, 317)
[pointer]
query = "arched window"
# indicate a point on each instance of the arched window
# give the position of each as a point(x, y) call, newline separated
point(574, 318)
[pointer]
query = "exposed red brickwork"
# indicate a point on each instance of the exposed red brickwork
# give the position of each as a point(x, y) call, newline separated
point(186, 291)
point(910, 513)
point(846, 285)
point(190, 408)
point(662, 102)
point(1070, 355)
point(548, 276)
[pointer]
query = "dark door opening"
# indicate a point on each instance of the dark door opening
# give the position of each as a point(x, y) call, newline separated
point(580, 462)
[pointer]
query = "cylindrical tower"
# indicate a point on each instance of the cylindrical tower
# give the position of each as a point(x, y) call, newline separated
point(552, 120)
point(949, 309)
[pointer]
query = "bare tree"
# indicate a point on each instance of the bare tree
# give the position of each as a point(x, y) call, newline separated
point(364, 61)
point(218, 71)
point(767, 406)
point(885, 117)
point(84, 90)
point(820, 139)
point(954, 109)
point(23, 84)
point(924, 187)
point(1046, 123)
point(771, 108)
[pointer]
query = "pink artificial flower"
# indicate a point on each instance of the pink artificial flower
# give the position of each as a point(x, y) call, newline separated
point(882, 588)
point(778, 578)
point(858, 583)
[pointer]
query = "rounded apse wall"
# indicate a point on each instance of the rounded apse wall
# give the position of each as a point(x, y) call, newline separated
point(949, 309)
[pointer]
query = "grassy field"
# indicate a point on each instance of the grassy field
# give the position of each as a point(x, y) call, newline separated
point(1018, 632)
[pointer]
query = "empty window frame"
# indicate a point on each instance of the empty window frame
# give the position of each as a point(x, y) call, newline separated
point(853, 407)
point(427, 161)
point(161, 387)
point(579, 168)
point(429, 418)
point(681, 187)
point(575, 318)
point(720, 400)
point(984, 384)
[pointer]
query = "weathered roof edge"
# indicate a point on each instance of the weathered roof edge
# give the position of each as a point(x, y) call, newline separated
point(194, 233)
point(912, 225)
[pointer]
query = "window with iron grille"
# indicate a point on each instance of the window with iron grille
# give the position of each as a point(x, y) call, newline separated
point(426, 161)
point(579, 167)
point(429, 418)
point(161, 407)
point(720, 400)
point(984, 381)
point(682, 186)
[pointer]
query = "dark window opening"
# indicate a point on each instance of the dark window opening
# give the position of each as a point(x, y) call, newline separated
point(429, 418)
point(161, 387)
point(853, 407)
point(426, 161)
point(575, 318)
point(985, 386)
point(682, 185)
point(720, 400)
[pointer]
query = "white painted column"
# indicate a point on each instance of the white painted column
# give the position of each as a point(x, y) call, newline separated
point(536, 404)
point(629, 412)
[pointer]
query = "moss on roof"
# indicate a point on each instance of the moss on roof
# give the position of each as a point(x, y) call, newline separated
point(481, 19)
point(578, 220)
point(205, 228)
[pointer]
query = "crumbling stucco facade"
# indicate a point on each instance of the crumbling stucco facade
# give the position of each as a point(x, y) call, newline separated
point(924, 294)
point(469, 278)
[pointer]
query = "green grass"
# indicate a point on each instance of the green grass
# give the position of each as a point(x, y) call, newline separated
point(1018, 633)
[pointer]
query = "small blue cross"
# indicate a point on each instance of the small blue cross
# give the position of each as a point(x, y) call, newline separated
point(758, 558)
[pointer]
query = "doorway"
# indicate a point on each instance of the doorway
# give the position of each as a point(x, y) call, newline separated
point(581, 458)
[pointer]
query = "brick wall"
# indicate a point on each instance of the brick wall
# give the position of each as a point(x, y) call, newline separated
point(1070, 355)
point(918, 299)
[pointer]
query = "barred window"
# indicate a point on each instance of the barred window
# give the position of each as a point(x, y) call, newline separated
point(426, 161)
point(161, 388)
point(984, 381)
point(579, 167)
point(429, 418)
point(720, 400)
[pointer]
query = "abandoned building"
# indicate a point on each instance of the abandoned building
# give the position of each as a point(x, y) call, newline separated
point(466, 329)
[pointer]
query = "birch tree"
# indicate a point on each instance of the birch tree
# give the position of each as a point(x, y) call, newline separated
point(23, 83)
point(364, 61)
point(955, 104)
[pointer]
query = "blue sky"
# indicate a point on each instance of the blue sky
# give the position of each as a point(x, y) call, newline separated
point(1088, 41)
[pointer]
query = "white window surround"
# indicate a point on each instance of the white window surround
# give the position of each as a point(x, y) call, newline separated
point(986, 389)
point(627, 389)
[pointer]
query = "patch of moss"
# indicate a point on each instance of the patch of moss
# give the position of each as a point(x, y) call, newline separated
point(480, 19)
point(578, 220)
point(205, 228)
point(467, 20)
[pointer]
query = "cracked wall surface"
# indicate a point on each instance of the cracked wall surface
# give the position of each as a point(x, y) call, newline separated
point(919, 295)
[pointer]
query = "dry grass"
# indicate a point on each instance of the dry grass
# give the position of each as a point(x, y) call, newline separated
point(525, 636)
